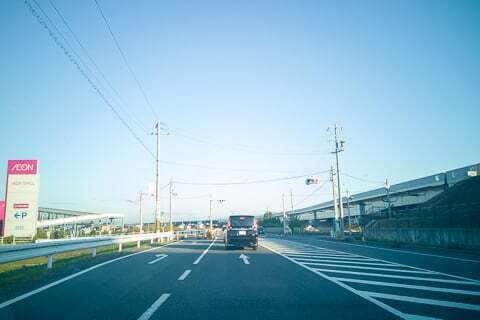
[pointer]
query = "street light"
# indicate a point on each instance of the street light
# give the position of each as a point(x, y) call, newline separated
point(171, 193)
point(210, 214)
point(140, 204)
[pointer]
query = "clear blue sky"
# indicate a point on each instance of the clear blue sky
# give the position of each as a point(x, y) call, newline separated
point(256, 79)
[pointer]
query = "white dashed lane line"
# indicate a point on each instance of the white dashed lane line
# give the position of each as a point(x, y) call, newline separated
point(184, 275)
point(204, 252)
point(154, 307)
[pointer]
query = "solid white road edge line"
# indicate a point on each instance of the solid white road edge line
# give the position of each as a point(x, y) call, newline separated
point(48, 286)
point(150, 311)
point(204, 252)
point(184, 275)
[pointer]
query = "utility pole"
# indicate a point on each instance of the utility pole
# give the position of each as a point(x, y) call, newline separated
point(157, 180)
point(210, 214)
point(291, 201)
point(334, 197)
point(387, 188)
point(348, 210)
point(338, 149)
point(140, 203)
point(284, 215)
point(170, 225)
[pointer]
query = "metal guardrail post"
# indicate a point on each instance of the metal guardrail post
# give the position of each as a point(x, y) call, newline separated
point(94, 252)
point(120, 247)
point(49, 261)
point(138, 244)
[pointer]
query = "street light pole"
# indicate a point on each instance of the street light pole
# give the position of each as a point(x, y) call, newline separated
point(210, 214)
point(334, 197)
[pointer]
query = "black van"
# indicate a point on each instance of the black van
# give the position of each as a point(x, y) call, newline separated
point(241, 231)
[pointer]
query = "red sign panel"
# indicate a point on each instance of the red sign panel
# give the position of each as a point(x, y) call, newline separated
point(20, 206)
point(2, 211)
point(22, 166)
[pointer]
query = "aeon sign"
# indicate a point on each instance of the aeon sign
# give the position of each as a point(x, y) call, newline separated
point(21, 210)
point(22, 166)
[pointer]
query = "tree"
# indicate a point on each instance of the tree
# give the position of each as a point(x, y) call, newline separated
point(267, 215)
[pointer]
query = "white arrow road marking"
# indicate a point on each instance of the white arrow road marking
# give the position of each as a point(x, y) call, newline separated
point(159, 257)
point(244, 258)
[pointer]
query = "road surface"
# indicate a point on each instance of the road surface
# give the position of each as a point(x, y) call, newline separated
point(298, 278)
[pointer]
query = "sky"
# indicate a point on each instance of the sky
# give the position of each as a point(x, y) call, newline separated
point(247, 91)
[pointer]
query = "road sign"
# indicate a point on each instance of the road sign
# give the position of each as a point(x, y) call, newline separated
point(21, 202)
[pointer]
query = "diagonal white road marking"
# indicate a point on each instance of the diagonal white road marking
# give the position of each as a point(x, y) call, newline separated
point(150, 311)
point(309, 258)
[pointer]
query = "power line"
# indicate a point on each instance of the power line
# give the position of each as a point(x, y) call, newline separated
point(311, 194)
point(250, 149)
point(221, 168)
point(248, 182)
point(362, 179)
point(119, 97)
point(117, 44)
point(67, 53)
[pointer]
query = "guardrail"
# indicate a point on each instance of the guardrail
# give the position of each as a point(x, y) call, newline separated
point(11, 253)
point(190, 232)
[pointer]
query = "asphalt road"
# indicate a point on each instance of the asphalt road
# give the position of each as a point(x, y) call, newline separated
point(299, 278)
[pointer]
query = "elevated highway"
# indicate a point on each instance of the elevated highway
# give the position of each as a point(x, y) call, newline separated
point(401, 195)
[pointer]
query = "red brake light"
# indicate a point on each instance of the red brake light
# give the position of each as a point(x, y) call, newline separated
point(255, 225)
point(229, 226)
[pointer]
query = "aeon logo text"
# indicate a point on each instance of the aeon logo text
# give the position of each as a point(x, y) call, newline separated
point(22, 166)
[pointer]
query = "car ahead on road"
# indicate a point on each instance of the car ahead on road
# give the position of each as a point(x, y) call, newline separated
point(241, 231)
point(261, 230)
